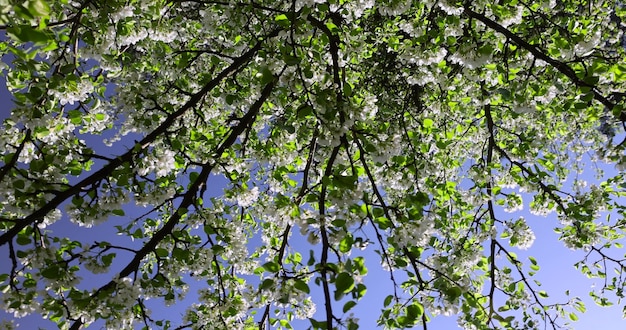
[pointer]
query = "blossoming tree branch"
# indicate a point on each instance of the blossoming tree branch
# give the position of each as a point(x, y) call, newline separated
point(413, 130)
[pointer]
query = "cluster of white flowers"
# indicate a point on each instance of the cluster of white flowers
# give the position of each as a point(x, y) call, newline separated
point(440, 306)
point(369, 108)
point(24, 308)
point(396, 7)
point(236, 251)
point(503, 278)
point(248, 197)
point(515, 19)
point(585, 235)
point(163, 36)
point(450, 9)
point(202, 261)
point(69, 94)
point(124, 12)
point(79, 217)
point(465, 325)
point(92, 263)
point(39, 257)
point(541, 206)
point(154, 195)
point(278, 219)
point(28, 154)
point(50, 218)
point(586, 47)
point(513, 203)
point(420, 57)
point(126, 291)
point(208, 310)
point(550, 95)
point(86, 215)
point(307, 3)
point(306, 309)
point(133, 38)
point(435, 157)
point(463, 262)
point(357, 8)
point(121, 318)
point(520, 233)
point(388, 146)
point(470, 59)
point(56, 128)
point(290, 297)
point(160, 161)
point(96, 121)
point(415, 233)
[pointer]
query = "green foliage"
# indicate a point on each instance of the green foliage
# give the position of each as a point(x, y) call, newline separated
point(216, 137)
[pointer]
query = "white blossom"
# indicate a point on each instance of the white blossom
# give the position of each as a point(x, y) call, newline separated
point(247, 198)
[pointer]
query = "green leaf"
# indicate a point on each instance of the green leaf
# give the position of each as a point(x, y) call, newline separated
point(348, 305)
point(285, 324)
point(21, 254)
point(345, 181)
point(39, 8)
point(383, 223)
point(305, 112)
point(23, 239)
point(193, 176)
point(419, 199)
point(387, 300)
point(360, 290)
point(265, 75)
point(344, 282)
point(161, 252)
point(266, 284)
point(107, 259)
point(22, 11)
point(332, 27)
point(52, 272)
point(180, 254)
point(453, 292)
point(282, 20)
point(230, 99)
point(25, 33)
point(29, 283)
point(347, 89)
point(415, 310)
point(138, 233)
point(591, 80)
point(346, 243)
point(580, 306)
point(505, 93)
point(271, 267)
point(302, 286)
point(75, 116)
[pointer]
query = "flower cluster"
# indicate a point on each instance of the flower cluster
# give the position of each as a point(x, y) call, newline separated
point(161, 163)
point(520, 233)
